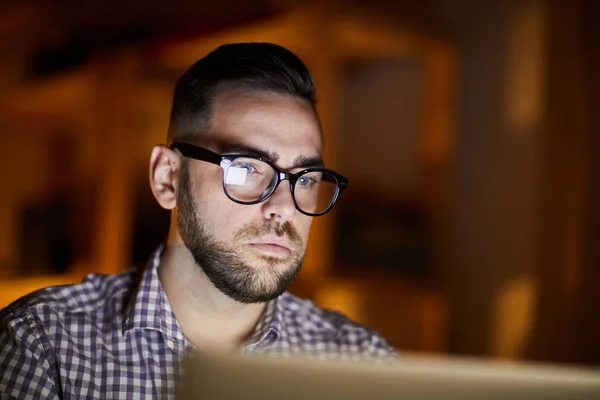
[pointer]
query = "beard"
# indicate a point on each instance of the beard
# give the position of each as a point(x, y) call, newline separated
point(246, 278)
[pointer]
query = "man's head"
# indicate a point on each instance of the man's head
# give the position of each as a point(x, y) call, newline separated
point(243, 67)
point(250, 99)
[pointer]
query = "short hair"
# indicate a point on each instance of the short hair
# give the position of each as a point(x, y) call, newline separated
point(261, 67)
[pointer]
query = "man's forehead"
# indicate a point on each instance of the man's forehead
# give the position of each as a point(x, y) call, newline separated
point(268, 116)
point(278, 127)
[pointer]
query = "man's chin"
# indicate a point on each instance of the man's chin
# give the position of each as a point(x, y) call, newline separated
point(270, 282)
point(262, 289)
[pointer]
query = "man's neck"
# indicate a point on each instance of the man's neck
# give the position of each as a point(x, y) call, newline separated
point(208, 318)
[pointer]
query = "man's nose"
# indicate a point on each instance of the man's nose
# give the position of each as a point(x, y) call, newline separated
point(280, 206)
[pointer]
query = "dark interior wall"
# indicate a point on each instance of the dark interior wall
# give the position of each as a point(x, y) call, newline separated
point(527, 199)
point(569, 238)
point(493, 212)
point(591, 287)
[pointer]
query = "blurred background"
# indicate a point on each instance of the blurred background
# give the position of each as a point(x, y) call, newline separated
point(469, 131)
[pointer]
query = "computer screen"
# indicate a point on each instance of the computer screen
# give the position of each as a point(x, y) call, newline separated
point(214, 376)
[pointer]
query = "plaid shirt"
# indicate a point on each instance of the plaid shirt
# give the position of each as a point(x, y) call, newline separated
point(116, 337)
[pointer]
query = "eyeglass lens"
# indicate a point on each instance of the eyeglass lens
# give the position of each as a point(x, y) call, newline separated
point(248, 180)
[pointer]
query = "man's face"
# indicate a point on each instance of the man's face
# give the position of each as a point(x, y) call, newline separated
point(251, 253)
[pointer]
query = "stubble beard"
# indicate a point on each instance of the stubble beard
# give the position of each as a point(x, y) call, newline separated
point(244, 276)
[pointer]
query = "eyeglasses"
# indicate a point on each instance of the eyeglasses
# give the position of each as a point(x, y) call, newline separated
point(249, 179)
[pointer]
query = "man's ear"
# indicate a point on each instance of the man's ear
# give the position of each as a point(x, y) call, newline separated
point(165, 166)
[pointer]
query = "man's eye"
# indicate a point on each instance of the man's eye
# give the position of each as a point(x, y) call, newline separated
point(306, 182)
point(249, 168)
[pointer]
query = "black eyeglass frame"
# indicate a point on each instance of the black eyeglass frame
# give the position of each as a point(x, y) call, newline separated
point(224, 160)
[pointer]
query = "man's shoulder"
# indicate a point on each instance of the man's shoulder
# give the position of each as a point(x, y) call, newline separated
point(317, 318)
point(95, 292)
point(311, 320)
point(49, 337)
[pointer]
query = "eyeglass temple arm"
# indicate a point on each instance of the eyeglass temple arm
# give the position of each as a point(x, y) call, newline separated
point(197, 153)
point(340, 180)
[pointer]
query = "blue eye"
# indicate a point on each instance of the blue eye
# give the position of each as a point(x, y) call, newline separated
point(306, 182)
point(252, 168)
point(249, 168)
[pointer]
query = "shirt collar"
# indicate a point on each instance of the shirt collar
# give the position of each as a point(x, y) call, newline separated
point(271, 327)
point(150, 308)
point(268, 329)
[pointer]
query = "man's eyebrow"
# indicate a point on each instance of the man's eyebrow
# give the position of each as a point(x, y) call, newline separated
point(252, 151)
point(299, 162)
point(308, 162)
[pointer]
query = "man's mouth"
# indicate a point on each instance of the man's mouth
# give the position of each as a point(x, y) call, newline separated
point(271, 245)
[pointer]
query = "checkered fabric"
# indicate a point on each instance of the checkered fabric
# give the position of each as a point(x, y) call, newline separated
point(116, 337)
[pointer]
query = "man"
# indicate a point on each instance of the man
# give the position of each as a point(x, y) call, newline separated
point(244, 178)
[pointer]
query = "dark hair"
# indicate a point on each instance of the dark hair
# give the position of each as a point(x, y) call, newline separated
point(248, 66)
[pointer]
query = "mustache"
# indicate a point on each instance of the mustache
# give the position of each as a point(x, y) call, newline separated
point(251, 231)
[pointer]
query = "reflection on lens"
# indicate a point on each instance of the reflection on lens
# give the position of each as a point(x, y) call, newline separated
point(247, 179)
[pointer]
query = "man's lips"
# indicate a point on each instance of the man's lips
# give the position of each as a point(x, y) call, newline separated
point(271, 245)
